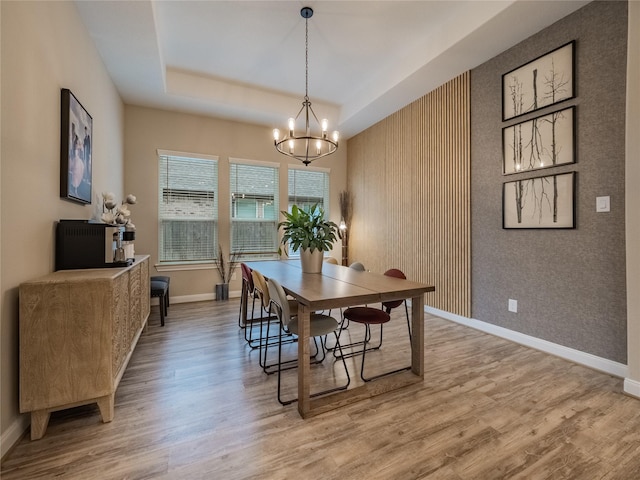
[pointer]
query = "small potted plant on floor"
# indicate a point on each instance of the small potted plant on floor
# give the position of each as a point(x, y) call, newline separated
point(307, 231)
point(225, 269)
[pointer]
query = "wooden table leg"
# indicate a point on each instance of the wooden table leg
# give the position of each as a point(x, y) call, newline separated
point(304, 367)
point(417, 335)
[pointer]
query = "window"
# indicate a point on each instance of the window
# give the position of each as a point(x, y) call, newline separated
point(188, 207)
point(308, 186)
point(254, 208)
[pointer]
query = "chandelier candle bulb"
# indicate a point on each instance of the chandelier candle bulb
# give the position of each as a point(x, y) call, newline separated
point(276, 134)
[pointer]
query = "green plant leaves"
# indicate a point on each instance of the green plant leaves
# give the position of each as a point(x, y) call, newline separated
point(307, 229)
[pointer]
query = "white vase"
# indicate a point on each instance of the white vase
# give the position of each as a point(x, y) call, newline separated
point(311, 261)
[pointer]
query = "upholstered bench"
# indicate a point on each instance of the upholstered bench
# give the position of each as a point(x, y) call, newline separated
point(165, 279)
point(160, 289)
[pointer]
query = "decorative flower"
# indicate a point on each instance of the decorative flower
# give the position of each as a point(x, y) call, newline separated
point(115, 214)
point(108, 217)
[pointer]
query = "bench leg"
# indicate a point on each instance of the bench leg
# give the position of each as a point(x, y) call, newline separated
point(163, 307)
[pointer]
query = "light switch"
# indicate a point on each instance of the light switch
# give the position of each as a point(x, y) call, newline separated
point(602, 204)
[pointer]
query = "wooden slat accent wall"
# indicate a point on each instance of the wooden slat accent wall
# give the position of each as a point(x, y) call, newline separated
point(410, 178)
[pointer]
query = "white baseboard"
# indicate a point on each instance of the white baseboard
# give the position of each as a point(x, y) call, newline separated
point(632, 387)
point(588, 360)
point(201, 297)
point(12, 434)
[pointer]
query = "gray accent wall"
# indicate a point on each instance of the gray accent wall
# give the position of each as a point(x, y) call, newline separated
point(569, 284)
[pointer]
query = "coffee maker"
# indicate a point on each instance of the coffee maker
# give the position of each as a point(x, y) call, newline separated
point(83, 244)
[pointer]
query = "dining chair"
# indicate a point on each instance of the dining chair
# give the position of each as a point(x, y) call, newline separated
point(370, 316)
point(266, 337)
point(320, 326)
point(388, 306)
point(344, 323)
point(331, 260)
point(248, 292)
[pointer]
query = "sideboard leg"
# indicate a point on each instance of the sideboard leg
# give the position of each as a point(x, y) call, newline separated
point(39, 422)
point(105, 404)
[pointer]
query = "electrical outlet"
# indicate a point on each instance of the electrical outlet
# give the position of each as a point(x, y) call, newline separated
point(513, 305)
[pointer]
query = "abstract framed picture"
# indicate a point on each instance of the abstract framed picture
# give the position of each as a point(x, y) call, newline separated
point(547, 80)
point(543, 142)
point(76, 135)
point(540, 202)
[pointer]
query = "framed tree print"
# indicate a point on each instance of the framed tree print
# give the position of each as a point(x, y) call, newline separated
point(76, 135)
point(540, 202)
point(547, 80)
point(545, 141)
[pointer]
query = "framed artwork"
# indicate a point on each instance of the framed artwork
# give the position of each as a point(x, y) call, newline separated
point(545, 141)
point(76, 135)
point(540, 202)
point(547, 80)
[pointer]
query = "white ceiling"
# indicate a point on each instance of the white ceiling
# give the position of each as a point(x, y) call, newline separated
point(244, 60)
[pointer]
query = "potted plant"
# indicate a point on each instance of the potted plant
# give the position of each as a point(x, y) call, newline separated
point(307, 230)
point(225, 269)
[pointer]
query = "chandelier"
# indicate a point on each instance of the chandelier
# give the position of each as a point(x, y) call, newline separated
point(305, 146)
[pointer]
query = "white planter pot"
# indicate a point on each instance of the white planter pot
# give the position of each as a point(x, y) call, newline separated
point(311, 262)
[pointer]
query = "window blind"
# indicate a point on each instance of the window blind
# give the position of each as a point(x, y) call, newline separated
point(188, 208)
point(254, 209)
point(308, 187)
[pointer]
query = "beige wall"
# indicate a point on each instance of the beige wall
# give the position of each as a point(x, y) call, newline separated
point(149, 130)
point(45, 48)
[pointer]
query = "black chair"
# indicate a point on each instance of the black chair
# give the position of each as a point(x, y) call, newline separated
point(160, 290)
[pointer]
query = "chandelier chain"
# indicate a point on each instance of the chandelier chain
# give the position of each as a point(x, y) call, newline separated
point(306, 59)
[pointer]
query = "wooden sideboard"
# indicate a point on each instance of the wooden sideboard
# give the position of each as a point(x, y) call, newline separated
point(78, 329)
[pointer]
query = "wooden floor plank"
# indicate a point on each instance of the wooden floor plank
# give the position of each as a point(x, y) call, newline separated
point(193, 404)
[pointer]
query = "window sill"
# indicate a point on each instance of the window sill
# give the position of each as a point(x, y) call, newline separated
point(177, 267)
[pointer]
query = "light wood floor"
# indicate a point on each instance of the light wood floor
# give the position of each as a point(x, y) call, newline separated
point(193, 404)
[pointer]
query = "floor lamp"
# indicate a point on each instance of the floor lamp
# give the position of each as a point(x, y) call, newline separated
point(344, 236)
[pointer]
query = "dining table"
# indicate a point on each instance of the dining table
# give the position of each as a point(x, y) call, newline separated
point(336, 287)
